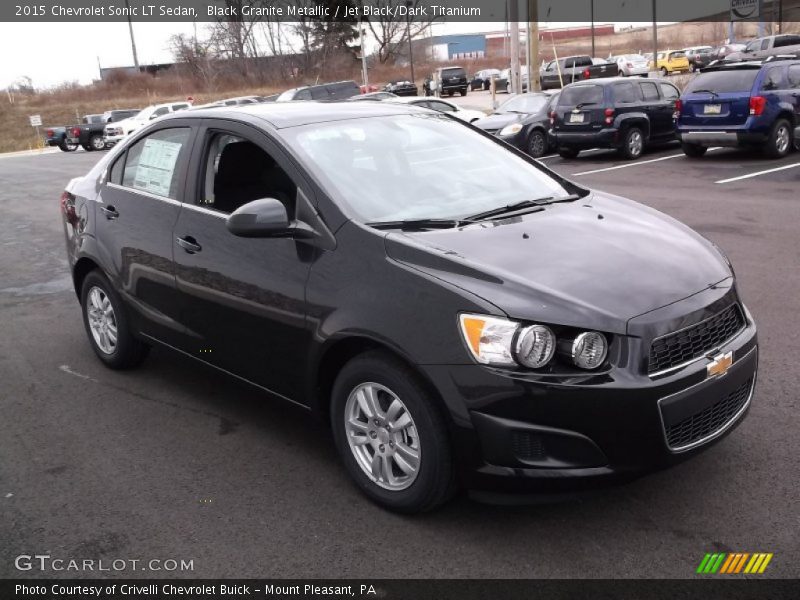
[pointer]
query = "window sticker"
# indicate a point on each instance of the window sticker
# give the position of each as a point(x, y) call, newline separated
point(156, 166)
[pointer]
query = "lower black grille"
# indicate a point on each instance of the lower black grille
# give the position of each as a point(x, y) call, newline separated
point(527, 446)
point(694, 341)
point(710, 420)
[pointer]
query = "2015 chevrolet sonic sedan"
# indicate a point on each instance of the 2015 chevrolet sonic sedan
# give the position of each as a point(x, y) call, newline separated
point(359, 260)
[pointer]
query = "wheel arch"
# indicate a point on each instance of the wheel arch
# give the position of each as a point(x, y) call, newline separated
point(634, 120)
point(82, 268)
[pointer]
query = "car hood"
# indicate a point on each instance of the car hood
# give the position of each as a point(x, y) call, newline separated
point(597, 262)
point(498, 121)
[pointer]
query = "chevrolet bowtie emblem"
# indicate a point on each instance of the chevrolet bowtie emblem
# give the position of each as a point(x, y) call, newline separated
point(719, 365)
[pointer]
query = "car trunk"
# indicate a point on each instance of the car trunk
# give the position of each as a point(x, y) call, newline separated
point(718, 98)
point(580, 108)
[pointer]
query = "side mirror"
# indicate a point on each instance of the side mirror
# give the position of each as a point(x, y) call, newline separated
point(267, 218)
point(260, 218)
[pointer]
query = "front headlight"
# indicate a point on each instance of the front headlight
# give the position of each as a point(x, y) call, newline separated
point(535, 346)
point(511, 129)
point(489, 339)
point(586, 350)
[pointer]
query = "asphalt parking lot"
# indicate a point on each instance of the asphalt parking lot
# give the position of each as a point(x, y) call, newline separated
point(175, 461)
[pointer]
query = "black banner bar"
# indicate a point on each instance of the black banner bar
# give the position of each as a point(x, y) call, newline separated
point(708, 588)
point(549, 11)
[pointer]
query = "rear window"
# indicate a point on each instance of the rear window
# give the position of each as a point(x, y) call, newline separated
point(581, 94)
point(787, 40)
point(735, 80)
point(677, 55)
point(454, 72)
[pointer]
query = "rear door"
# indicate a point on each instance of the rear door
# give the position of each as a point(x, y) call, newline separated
point(653, 106)
point(139, 203)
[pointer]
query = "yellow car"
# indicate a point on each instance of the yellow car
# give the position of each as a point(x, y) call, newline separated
point(671, 61)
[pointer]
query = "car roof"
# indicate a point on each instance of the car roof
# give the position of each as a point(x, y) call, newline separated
point(610, 80)
point(292, 114)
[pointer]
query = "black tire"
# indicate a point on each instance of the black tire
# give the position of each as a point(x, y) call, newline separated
point(86, 147)
point(487, 85)
point(435, 480)
point(664, 72)
point(693, 150)
point(464, 92)
point(65, 147)
point(536, 146)
point(96, 142)
point(129, 351)
point(629, 148)
point(568, 152)
point(620, 73)
point(450, 93)
point(776, 146)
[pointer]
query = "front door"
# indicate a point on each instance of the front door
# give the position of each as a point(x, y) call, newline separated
point(139, 204)
point(244, 298)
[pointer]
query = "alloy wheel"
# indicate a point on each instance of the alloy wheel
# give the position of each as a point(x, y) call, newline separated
point(98, 143)
point(102, 320)
point(635, 143)
point(782, 139)
point(382, 436)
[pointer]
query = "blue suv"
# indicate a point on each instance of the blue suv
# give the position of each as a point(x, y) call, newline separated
point(741, 104)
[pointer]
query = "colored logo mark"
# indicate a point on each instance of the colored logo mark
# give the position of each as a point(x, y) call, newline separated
point(735, 562)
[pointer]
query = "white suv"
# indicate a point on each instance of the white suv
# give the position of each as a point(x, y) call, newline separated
point(114, 132)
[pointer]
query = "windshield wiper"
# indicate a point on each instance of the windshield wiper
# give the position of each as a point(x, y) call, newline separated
point(538, 203)
point(582, 104)
point(412, 224)
point(712, 92)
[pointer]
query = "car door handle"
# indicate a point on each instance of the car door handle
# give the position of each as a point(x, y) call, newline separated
point(110, 212)
point(189, 244)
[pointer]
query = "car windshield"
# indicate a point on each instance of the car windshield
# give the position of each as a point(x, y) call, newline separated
point(422, 166)
point(581, 94)
point(738, 80)
point(525, 103)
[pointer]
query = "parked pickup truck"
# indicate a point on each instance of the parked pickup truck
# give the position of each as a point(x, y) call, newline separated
point(574, 68)
point(89, 133)
point(787, 43)
point(117, 131)
point(57, 136)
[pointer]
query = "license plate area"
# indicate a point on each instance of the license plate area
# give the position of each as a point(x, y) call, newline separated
point(712, 109)
point(577, 117)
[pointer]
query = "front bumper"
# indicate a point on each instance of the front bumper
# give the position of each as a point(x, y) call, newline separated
point(110, 140)
point(517, 433)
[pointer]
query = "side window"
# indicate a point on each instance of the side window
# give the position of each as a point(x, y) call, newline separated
point(649, 91)
point(441, 106)
point(152, 162)
point(551, 66)
point(319, 93)
point(773, 79)
point(159, 112)
point(765, 45)
point(238, 171)
point(669, 92)
point(794, 76)
point(624, 93)
point(115, 173)
point(303, 95)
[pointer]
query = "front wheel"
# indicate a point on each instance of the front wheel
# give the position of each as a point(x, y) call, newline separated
point(390, 434)
point(664, 72)
point(632, 143)
point(693, 150)
point(537, 144)
point(779, 141)
point(107, 325)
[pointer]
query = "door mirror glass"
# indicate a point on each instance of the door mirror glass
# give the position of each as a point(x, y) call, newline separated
point(266, 217)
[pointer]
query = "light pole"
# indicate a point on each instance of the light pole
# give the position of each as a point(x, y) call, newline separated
point(409, 4)
point(133, 42)
point(591, 16)
point(364, 74)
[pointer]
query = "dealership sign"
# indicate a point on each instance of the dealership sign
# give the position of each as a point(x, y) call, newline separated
point(743, 10)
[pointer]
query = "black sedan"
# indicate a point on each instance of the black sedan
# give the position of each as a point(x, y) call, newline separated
point(360, 261)
point(523, 122)
point(401, 88)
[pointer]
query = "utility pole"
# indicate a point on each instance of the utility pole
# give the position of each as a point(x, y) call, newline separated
point(655, 39)
point(534, 84)
point(364, 74)
point(513, 15)
point(591, 17)
point(409, 4)
point(133, 41)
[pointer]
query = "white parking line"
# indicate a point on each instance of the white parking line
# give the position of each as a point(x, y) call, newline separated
point(636, 163)
point(757, 173)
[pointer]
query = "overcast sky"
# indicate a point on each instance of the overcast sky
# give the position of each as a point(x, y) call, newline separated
point(52, 53)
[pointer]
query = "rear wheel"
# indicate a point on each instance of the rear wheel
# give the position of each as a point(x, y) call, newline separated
point(390, 434)
point(96, 142)
point(693, 150)
point(464, 92)
point(568, 152)
point(65, 147)
point(107, 325)
point(779, 141)
point(664, 71)
point(537, 144)
point(632, 143)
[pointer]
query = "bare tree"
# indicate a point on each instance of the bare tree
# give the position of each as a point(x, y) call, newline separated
point(390, 33)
